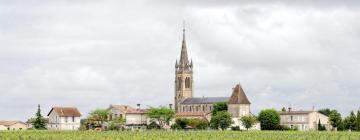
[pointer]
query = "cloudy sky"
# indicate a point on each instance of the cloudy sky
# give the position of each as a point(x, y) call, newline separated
point(90, 54)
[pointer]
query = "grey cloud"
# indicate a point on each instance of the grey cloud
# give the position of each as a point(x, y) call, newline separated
point(92, 54)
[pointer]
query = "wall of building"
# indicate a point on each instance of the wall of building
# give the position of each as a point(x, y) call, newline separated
point(18, 126)
point(3, 127)
point(63, 123)
point(299, 121)
point(239, 110)
point(136, 119)
point(304, 121)
point(196, 108)
point(314, 118)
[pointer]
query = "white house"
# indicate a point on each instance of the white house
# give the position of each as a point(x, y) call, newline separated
point(135, 118)
point(64, 118)
point(304, 120)
point(12, 125)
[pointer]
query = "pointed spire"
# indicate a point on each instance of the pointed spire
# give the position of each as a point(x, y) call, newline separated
point(183, 56)
point(238, 96)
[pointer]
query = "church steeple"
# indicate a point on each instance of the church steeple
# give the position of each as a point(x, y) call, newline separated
point(184, 64)
point(183, 76)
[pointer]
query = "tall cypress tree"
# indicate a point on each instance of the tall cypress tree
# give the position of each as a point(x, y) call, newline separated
point(39, 122)
point(358, 120)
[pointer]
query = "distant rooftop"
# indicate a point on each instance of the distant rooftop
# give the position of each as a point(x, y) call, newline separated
point(205, 100)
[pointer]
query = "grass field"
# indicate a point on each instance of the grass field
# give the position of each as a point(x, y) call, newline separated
point(183, 135)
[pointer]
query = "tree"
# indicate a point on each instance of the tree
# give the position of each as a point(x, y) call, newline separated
point(350, 122)
point(198, 123)
point(100, 115)
point(321, 127)
point(335, 119)
point(248, 121)
point(117, 123)
point(220, 106)
point(39, 122)
point(269, 119)
point(358, 121)
point(325, 111)
point(283, 109)
point(221, 119)
point(162, 115)
point(182, 122)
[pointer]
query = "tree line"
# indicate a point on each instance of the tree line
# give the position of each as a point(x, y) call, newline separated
point(220, 120)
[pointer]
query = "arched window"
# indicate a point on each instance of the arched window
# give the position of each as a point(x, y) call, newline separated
point(179, 83)
point(187, 82)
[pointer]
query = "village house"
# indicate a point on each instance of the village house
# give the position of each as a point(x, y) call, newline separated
point(135, 118)
point(12, 125)
point(304, 120)
point(64, 118)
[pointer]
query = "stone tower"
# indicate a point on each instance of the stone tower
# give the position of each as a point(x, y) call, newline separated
point(183, 76)
point(239, 104)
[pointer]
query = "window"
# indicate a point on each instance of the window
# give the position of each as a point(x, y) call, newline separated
point(66, 119)
point(73, 118)
point(179, 83)
point(183, 108)
point(203, 108)
point(187, 82)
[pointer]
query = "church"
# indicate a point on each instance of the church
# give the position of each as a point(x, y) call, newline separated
point(186, 105)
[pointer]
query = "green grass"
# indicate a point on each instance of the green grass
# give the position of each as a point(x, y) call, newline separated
point(183, 135)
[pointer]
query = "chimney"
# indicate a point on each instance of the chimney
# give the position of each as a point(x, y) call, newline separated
point(138, 106)
point(289, 109)
point(170, 106)
point(125, 107)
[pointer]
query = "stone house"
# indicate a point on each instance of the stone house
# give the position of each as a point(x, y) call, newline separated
point(12, 125)
point(135, 117)
point(64, 118)
point(304, 120)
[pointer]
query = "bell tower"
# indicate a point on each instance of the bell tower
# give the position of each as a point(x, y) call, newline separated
point(183, 76)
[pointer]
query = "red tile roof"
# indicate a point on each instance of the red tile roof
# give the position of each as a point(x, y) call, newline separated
point(66, 111)
point(128, 109)
point(9, 123)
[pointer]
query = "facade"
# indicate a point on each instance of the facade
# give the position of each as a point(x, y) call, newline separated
point(188, 106)
point(12, 125)
point(304, 120)
point(64, 118)
point(135, 118)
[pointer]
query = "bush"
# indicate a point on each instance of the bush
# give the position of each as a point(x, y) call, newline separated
point(175, 126)
point(182, 122)
point(221, 120)
point(235, 128)
point(269, 119)
point(153, 125)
